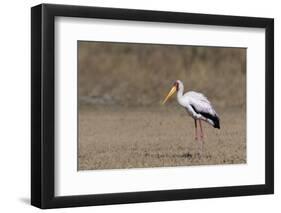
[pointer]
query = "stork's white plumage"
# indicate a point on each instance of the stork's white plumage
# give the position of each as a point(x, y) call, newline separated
point(197, 105)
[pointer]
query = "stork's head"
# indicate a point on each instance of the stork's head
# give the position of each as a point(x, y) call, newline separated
point(178, 85)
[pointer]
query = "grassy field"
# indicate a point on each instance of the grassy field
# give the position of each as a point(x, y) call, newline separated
point(118, 137)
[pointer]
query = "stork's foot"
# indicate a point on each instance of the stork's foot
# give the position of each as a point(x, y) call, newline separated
point(201, 149)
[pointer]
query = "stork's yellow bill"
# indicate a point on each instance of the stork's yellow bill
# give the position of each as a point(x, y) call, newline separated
point(172, 91)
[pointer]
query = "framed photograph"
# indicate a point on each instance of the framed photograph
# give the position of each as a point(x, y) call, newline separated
point(136, 106)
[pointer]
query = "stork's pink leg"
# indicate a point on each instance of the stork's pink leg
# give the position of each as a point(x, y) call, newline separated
point(196, 134)
point(201, 130)
point(202, 138)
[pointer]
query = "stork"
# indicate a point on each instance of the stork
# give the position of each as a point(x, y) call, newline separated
point(197, 106)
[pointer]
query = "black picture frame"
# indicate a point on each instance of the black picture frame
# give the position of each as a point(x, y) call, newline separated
point(43, 102)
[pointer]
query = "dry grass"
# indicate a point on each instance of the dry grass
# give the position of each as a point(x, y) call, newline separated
point(113, 137)
point(134, 74)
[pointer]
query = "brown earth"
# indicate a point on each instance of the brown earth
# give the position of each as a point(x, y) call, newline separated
point(120, 137)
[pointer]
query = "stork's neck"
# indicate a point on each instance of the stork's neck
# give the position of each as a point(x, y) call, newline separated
point(180, 92)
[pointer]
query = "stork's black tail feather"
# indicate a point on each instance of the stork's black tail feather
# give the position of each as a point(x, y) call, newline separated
point(216, 121)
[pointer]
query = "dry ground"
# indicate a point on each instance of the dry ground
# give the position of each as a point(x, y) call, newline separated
point(112, 137)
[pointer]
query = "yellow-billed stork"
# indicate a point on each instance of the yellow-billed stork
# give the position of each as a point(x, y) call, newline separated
point(197, 106)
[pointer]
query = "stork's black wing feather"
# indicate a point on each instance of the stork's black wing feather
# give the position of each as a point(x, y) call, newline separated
point(210, 116)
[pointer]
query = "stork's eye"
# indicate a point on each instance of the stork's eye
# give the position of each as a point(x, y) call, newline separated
point(177, 85)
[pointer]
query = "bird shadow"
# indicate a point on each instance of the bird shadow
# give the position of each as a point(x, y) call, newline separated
point(186, 155)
